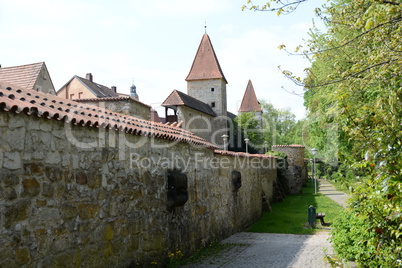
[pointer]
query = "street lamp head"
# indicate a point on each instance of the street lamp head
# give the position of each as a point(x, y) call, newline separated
point(225, 137)
point(246, 140)
point(314, 151)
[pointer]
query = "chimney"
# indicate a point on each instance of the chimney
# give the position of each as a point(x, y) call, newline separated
point(114, 88)
point(89, 77)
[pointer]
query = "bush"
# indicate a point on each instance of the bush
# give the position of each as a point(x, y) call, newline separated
point(350, 237)
point(370, 231)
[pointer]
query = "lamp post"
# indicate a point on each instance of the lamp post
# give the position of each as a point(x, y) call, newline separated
point(246, 141)
point(314, 151)
point(266, 146)
point(225, 139)
point(311, 162)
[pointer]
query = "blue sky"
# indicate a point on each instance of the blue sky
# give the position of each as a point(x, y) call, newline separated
point(154, 43)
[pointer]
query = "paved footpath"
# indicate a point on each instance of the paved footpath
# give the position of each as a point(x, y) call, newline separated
point(277, 250)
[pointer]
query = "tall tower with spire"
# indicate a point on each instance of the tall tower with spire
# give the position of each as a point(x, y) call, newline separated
point(250, 103)
point(206, 81)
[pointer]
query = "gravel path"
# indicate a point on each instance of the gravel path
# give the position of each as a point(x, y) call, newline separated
point(277, 250)
point(272, 250)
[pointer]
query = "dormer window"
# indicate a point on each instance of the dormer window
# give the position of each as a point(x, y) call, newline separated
point(213, 104)
point(212, 89)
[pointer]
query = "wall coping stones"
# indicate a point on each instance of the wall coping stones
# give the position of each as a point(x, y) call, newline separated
point(231, 153)
point(290, 146)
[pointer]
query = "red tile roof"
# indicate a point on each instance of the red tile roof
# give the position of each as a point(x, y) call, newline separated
point(24, 76)
point(16, 99)
point(205, 65)
point(250, 102)
point(178, 98)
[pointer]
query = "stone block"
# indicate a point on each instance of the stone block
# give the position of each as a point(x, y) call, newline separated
point(16, 138)
point(9, 193)
point(87, 211)
point(38, 155)
point(48, 215)
point(132, 242)
point(12, 160)
point(65, 159)
point(16, 212)
point(53, 158)
point(76, 161)
point(81, 178)
point(10, 179)
point(95, 181)
point(53, 173)
point(153, 242)
point(33, 123)
point(109, 233)
point(34, 168)
point(31, 187)
point(68, 211)
point(15, 122)
point(47, 189)
point(44, 125)
point(3, 120)
point(22, 255)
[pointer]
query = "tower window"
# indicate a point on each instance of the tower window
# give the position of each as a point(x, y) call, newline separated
point(213, 104)
point(212, 89)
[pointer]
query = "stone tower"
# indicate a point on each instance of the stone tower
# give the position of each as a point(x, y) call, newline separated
point(206, 81)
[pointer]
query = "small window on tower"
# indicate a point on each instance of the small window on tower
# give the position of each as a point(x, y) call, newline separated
point(212, 89)
point(213, 104)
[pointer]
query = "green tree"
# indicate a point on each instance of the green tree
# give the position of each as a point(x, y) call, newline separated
point(280, 125)
point(355, 85)
point(250, 129)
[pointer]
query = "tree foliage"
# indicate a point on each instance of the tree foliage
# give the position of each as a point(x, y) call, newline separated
point(280, 7)
point(355, 83)
point(355, 86)
point(280, 125)
point(250, 128)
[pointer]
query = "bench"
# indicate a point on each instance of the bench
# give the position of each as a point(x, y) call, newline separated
point(313, 216)
point(320, 216)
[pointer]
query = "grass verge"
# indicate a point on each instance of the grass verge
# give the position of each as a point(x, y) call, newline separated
point(290, 216)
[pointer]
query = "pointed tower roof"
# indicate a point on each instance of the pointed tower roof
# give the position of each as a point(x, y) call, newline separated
point(205, 65)
point(250, 102)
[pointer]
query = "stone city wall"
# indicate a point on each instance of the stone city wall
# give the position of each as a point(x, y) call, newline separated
point(74, 196)
point(295, 176)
